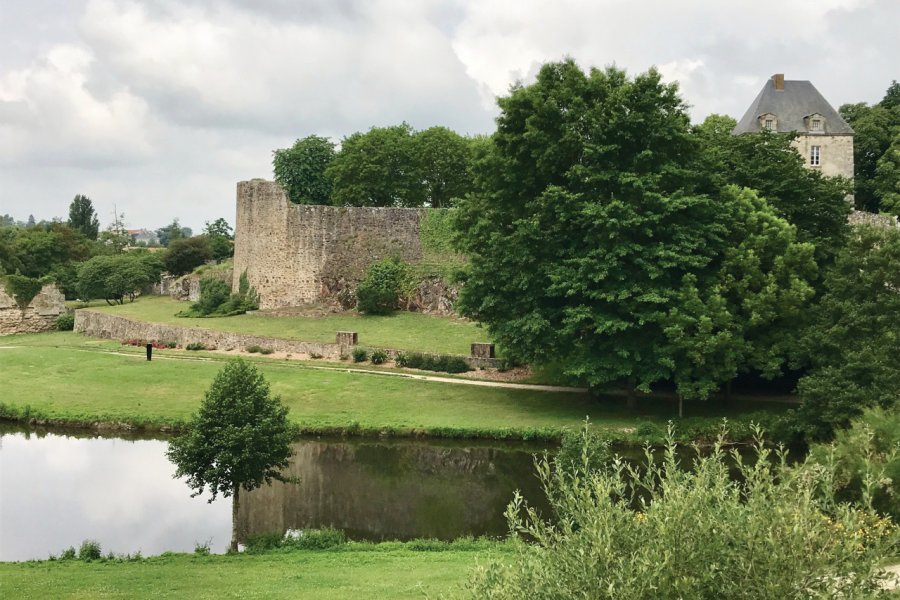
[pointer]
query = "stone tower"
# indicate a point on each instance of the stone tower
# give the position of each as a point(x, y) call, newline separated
point(825, 140)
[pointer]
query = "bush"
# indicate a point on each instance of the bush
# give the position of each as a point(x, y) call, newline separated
point(314, 539)
point(379, 357)
point(65, 322)
point(254, 349)
point(266, 351)
point(433, 362)
point(114, 278)
point(68, 554)
point(379, 293)
point(263, 541)
point(587, 449)
point(23, 289)
point(214, 292)
point(216, 299)
point(867, 452)
point(679, 529)
point(359, 354)
point(193, 346)
point(186, 254)
point(89, 550)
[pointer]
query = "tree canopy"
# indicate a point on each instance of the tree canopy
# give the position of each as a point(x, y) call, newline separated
point(83, 217)
point(186, 254)
point(221, 240)
point(239, 439)
point(591, 244)
point(853, 344)
point(301, 168)
point(117, 277)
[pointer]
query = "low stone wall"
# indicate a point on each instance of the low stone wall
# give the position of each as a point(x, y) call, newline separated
point(39, 316)
point(113, 327)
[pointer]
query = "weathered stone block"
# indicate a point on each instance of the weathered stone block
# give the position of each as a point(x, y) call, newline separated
point(482, 350)
point(347, 338)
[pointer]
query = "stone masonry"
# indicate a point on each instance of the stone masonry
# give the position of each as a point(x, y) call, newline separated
point(295, 254)
point(40, 314)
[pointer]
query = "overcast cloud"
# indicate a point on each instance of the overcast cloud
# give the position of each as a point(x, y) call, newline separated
point(159, 107)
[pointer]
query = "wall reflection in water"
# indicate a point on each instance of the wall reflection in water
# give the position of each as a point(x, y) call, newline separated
point(394, 490)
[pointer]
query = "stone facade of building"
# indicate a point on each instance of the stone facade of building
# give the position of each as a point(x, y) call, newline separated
point(40, 314)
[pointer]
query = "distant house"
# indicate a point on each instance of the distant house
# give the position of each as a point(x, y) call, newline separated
point(825, 140)
point(143, 236)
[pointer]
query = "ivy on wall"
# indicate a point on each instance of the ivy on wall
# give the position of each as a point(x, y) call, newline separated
point(23, 289)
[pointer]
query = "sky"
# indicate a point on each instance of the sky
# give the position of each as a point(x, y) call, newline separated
point(157, 108)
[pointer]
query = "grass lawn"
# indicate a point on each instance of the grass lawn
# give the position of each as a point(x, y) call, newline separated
point(356, 571)
point(402, 330)
point(65, 376)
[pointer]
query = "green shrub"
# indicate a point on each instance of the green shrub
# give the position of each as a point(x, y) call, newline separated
point(266, 351)
point(213, 294)
point(23, 289)
point(89, 550)
point(433, 362)
point(314, 539)
point(263, 541)
point(65, 322)
point(216, 299)
point(200, 549)
point(359, 354)
point(68, 554)
point(379, 293)
point(315, 355)
point(587, 449)
point(648, 430)
point(688, 529)
point(379, 357)
point(253, 349)
point(867, 452)
point(193, 346)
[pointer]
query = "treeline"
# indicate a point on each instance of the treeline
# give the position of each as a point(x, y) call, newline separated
point(610, 237)
point(87, 263)
point(385, 166)
point(876, 152)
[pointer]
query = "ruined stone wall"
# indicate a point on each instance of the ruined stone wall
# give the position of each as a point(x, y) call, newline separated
point(40, 314)
point(294, 254)
point(187, 287)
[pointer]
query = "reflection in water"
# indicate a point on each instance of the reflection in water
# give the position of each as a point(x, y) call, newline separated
point(58, 490)
point(394, 490)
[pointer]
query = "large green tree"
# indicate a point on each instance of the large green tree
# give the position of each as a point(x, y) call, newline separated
point(853, 344)
point(887, 178)
point(300, 169)
point(590, 245)
point(221, 240)
point(444, 159)
point(377, 168)
point(769, 164)
point(875, 127)
point(83, 217)
point(239, 439)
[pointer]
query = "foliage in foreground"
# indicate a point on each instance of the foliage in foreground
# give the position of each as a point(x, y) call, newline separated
point(869, 446)
point(662, 530)
point(216, 299)
point(240, 438)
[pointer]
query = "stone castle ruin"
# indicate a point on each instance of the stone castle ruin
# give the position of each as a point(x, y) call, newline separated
point(39, 315)
point(299, 254)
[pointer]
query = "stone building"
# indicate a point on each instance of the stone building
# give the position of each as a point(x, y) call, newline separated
point(825, 140)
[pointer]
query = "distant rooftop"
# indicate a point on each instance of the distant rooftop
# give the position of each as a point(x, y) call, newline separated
point(791, 102)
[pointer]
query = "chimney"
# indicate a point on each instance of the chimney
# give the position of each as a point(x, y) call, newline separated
point(778, 78)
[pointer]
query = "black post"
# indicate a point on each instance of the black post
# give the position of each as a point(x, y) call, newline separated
point(149, 351)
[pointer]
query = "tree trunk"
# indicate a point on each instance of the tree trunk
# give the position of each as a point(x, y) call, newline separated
point(235, 504)
point(631, 403)
point(680, 406)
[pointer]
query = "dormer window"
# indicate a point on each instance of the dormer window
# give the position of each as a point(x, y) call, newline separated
point(815, 123)
point(768, 122)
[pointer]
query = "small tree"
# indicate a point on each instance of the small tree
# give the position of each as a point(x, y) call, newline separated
point(186, 254)
point(379, 293)
point(300, 170)
point(240, 438)
point(221, 240)
point(83, 217)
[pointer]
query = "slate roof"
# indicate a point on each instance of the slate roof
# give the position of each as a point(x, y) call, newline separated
point(798, 100)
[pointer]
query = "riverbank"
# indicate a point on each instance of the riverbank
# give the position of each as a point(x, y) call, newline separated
point(63, 379)
point(352, 571)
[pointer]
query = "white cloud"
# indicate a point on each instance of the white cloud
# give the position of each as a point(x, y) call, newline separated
point(160, 107)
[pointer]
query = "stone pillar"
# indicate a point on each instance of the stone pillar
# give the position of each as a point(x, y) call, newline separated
point(482, 350)
point(347, 338)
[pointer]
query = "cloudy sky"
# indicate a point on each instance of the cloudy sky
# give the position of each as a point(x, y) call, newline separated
point(158, 107)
